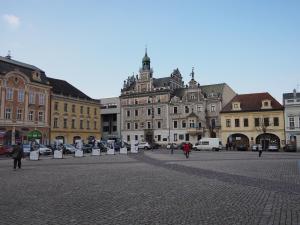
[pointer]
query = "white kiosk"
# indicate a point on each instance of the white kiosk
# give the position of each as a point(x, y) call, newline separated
point(34, 151)
point(96, 151)
point(110, 147)
point(123, 149)
point(134, 147)
point(58, 152)
point(78, 146)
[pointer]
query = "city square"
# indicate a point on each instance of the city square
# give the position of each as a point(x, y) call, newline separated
point(153, 187)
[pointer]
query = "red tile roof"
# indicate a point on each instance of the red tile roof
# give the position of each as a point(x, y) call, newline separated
point(252, 102)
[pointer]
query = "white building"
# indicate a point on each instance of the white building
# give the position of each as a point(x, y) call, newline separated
point(291, 103)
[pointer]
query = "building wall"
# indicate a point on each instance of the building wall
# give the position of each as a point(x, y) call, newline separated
point(20, 123)
point(68, 132)
point(251, 131)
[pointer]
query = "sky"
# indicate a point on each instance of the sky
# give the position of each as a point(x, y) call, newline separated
point(253, 46)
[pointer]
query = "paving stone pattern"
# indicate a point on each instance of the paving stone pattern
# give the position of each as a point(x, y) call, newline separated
point(153, 188)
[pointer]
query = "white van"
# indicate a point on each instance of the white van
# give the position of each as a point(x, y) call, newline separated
point(208, 144)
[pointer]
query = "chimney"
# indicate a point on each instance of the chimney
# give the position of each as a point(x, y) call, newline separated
point(295, 93)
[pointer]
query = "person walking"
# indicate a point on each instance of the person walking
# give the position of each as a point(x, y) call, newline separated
point(17, 155)
point(186, 149)
point(172, 148)
point(259, 151)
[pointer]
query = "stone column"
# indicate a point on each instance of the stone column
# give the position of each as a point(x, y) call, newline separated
point(2, 103)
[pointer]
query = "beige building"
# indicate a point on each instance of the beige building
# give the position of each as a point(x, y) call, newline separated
point(74, 115)
point(252, 119)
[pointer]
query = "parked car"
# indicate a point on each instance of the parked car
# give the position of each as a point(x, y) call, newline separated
point(175, 146)
point(273, 148)
point(69, 149)
point(6, 150)
point(208, 144)
point(44, 150)
point(242, 147)
point(87, 148)
point(256, 147)
point(290, 148)
point(26, 149)
point(144, 145)
point(155, 145)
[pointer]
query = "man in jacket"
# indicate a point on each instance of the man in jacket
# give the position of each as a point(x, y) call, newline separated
point(17, 155)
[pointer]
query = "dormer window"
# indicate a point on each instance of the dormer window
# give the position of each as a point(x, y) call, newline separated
point(236, 106)
point(36, 75)
point(266, 104)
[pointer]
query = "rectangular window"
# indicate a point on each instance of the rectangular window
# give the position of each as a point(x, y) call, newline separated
point(292, 122)
point(199, 108)
point(175, 110)
point(19, 114)
point(8, 113)
point(187, 137)
point(213, 108)
point(128, 126)
point(149, 125)
point(9, 94)
point(55, 123)
point(88, 124)
point(181, 137)
point(41, 99)
point(73, 109)
point(175, 137)
point(149, 112)
point(158, 111)
point(136, 126)
point(237, 122)
point(128, 138)
point(56, 106)
point(81, 124)
point(41, 116)
point(266, 122)
point(136, 137)
point(66, 107)
point(228, 123)
point(81, 109)
point(95, 125)
point(106, 129)
point(31, 98)
point(136, 112)
point(276, 121)
point(30, 116)
point(175, 124)
point(114, 128)
point(256, 122)
point(65, 122)
point(73, 123)
point(88, 110)
point(246, 122)
point(21, 96)
point(128, 113)
point(183, 124)
point(158, 125)
point(158, 137)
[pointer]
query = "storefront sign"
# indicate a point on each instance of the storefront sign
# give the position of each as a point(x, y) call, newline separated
point(34, 135)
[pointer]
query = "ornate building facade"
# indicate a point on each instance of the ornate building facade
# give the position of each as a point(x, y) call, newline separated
point(25, 102)
point(163, 110)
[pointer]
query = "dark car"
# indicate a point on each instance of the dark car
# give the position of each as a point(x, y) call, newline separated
point(6, 150)
point(155, 146)
point(242, 147)
point(87, 148)
point(289, 148)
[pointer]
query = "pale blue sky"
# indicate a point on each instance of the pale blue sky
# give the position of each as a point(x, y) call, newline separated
point(254, 46)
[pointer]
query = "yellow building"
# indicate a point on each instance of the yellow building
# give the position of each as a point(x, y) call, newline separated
point(74, 115)
point(253, 119)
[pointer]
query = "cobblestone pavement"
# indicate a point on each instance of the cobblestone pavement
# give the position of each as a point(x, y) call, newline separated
point(153, 188)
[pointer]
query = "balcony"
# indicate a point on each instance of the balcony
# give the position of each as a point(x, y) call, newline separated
point(195, 130)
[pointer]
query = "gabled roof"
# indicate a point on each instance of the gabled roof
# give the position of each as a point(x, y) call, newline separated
point(213, 88)
point(252, 103)
point(62, 87)
point(161, 82)
point(7, 65)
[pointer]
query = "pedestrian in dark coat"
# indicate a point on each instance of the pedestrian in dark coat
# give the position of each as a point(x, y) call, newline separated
point(17, 155)
point(259, 151)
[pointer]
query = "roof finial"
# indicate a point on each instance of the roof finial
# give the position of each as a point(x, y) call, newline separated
point(192, 73)
point(8, 55)
point(145, 49)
